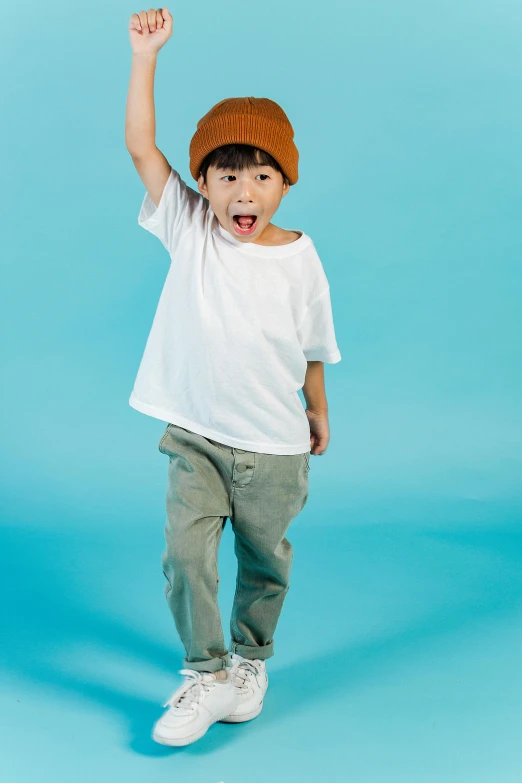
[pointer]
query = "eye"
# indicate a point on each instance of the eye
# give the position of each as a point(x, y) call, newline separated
point(233, 175)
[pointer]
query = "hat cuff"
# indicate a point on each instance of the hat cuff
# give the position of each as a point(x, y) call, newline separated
point(267, 134)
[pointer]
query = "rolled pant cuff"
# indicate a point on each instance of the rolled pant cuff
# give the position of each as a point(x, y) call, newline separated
point(251, 651)
point(212, 665)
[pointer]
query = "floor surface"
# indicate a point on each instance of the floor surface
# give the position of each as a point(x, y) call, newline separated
point(397, 656)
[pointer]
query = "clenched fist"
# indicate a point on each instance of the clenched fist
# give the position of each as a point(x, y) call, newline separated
point(149, 30)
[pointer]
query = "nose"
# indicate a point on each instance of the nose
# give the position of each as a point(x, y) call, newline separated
point(244, 189)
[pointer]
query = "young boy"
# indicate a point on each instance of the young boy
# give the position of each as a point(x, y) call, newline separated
point(243, 322)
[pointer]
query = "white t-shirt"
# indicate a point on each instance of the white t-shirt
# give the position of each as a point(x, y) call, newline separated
point(233, 330)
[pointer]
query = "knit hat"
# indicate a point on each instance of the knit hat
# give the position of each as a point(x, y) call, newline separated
point(260, 122)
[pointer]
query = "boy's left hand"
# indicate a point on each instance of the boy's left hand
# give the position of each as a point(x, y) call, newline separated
point(319, 431)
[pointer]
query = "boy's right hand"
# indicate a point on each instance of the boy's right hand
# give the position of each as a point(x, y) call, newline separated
point(150, 30)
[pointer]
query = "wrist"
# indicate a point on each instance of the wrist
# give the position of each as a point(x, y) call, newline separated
point(152, 56)
point(320, 412)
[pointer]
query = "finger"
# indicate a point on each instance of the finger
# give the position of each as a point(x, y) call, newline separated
point(167, 17)
point(134, 22)
point(164, 19)
point(143, 21)
point(320, 444)
point(151, 18)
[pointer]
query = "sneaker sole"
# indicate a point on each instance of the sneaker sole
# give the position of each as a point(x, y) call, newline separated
point(242, 718)
point(180, 741)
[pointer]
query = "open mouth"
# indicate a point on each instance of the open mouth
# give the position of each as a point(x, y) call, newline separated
point(244, 224)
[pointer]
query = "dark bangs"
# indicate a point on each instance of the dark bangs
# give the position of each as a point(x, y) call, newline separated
point(239, 157)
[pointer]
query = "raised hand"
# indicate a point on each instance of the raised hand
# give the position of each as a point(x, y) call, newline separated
point(150, 30)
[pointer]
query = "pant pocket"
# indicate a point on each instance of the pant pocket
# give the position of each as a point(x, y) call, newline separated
point(306, 456)
point(160, 444)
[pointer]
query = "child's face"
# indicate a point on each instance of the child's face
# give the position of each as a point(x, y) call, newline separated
point(254, 191)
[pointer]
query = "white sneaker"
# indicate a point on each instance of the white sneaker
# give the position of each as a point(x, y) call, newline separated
point(251, 681)
point(198, 703)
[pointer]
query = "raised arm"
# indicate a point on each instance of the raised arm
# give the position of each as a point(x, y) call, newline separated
point(148, 32)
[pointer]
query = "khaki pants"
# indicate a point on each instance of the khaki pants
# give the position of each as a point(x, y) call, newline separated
point(261, 494)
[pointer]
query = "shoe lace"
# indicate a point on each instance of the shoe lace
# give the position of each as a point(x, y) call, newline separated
point(191, 692)
point(244, 672)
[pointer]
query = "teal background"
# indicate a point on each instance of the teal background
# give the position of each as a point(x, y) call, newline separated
point(400, 661)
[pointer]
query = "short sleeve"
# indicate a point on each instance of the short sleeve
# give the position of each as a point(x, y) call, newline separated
point(179, 207)
point(316, 332)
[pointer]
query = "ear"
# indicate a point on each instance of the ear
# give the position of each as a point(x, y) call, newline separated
point(202, 187)
point(286, 188)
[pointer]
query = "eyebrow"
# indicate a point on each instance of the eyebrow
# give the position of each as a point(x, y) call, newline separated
point(257, 166)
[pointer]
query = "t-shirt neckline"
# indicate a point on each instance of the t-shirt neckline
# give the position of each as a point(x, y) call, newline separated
point(265, 251)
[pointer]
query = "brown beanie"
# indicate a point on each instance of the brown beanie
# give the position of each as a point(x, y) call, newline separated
point(260, 122)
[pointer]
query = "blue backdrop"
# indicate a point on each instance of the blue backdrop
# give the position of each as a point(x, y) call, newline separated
point(408, 122)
